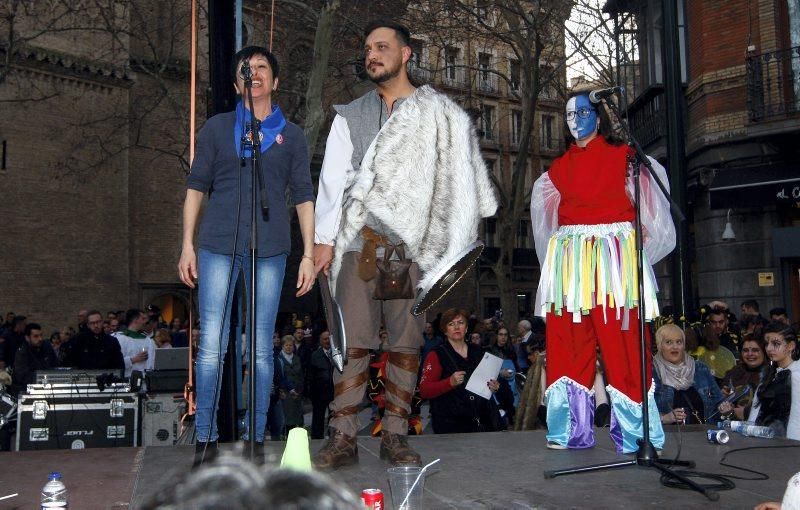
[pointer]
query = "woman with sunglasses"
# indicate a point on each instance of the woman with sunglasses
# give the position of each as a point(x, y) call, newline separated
point(777, 401)
point(583, 215)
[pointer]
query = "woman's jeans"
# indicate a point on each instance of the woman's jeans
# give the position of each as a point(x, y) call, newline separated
point(216, 283)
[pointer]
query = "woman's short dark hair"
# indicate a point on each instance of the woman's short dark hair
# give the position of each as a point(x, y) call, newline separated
point(606, 127)
point(249, 52)
point(452, 313)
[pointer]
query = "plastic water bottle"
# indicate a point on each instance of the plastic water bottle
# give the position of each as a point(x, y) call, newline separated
point(731, 424)
point(751, 430)
point(54, 492)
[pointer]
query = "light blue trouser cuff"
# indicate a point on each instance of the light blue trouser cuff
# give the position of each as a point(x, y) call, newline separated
point(626, 421)
point(570, 414)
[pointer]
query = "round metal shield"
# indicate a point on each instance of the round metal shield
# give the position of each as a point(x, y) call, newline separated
point(447, 279)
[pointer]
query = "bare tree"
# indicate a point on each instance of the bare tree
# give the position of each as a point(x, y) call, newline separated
point(525, 38)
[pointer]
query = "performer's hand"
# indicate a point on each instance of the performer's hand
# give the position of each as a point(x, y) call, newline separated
point(305, 276)
point(457, 378)
point(323, 255)
point(187, 267)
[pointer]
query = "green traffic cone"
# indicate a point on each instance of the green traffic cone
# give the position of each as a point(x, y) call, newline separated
point(297, 454)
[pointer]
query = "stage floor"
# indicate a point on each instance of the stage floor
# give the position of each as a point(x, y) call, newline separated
point(501, 470)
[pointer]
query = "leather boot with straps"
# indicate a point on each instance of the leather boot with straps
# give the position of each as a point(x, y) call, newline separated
point(395, 449)
point(339, 450)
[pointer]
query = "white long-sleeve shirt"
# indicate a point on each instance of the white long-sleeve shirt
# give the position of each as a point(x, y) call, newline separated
point(132, 343)
point(336, 176)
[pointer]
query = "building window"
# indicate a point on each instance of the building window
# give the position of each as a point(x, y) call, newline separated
point(516, 126)
point(485, 74)
point(490, 163)
point(417, 65)
point(547, 139)
point(547, 88)
point(524, 236)
point(487, 122)
point(482, 9)
point(514, 74)
point(3, 152)
point(451, 63)
point(490, 231)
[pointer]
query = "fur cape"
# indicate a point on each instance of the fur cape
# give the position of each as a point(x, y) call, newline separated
point(424, 178)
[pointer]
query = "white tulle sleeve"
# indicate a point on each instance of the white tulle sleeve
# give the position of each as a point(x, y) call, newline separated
point(657, 225)
point(544, 213)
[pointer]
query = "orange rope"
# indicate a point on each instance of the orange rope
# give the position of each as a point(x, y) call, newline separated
point(192, 81)
point(271, 24)
point(188, 392)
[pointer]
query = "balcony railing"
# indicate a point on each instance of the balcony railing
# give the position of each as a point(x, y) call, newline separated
point(646, 116)
point(773, 83)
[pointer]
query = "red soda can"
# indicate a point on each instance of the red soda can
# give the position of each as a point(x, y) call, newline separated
point(372, 499)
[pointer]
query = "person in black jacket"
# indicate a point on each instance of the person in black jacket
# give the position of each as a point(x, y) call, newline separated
point(444, 376)
point(91, 349)
point(34, 354)
point(319, 377)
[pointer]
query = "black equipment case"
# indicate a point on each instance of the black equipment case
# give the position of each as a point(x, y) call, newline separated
point(76, 416)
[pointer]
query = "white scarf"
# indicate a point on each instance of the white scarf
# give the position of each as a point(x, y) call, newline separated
point(287, 357)
point(677, 375)
point(424, 178)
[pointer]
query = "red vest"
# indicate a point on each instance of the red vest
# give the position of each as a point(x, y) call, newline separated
point(591, 181)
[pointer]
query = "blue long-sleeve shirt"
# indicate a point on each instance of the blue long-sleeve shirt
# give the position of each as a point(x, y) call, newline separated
point(217, 169)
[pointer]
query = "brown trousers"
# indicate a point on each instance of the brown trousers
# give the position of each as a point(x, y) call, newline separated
point(362, 319)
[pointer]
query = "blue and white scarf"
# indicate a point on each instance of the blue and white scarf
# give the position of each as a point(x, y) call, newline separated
point(271, 128)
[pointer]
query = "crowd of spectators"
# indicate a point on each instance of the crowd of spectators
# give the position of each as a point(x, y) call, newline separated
point(688, 389)
point(116, 341)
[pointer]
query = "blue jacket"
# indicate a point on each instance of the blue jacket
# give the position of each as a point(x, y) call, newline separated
point(704, 383)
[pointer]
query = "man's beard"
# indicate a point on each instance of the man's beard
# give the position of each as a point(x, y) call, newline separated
point(386, 75)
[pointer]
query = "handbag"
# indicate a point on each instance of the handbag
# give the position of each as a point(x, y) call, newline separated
point(393, 280)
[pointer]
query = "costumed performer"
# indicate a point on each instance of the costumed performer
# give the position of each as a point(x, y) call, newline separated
point(583, 224)
point(402, 166)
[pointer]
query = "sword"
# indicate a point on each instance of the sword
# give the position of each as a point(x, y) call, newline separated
point(333, 315)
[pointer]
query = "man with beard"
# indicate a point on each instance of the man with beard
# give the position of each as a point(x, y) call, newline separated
point(92, 349)
point(34, 354)
point(382, 184)
point(718, 320)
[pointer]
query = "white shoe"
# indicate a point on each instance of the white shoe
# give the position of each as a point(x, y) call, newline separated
point(555, 446)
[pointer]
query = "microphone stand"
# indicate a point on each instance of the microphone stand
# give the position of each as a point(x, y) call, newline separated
point(255, 168)
point(646, 455)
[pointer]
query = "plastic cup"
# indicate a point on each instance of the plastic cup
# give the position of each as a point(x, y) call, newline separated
point(401, 480)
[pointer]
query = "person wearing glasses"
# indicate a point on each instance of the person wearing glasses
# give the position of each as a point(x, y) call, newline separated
point(445, 373)
point(583, 215)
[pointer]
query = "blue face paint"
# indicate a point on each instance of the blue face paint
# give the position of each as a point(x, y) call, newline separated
point(581, 117)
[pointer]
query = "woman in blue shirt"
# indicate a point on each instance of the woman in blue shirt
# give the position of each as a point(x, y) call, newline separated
point(220, 168)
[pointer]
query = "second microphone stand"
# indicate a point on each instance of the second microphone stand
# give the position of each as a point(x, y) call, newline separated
point(646, 456)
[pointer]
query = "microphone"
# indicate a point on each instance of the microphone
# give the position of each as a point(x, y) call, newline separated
point(597, 96)
point(245, 71)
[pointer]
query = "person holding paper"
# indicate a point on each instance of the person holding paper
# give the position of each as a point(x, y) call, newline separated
point(445, 373)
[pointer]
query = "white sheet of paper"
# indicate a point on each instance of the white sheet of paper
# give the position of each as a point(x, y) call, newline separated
point(489, 368)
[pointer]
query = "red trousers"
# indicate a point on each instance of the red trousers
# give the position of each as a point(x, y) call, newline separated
point(572, 350)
